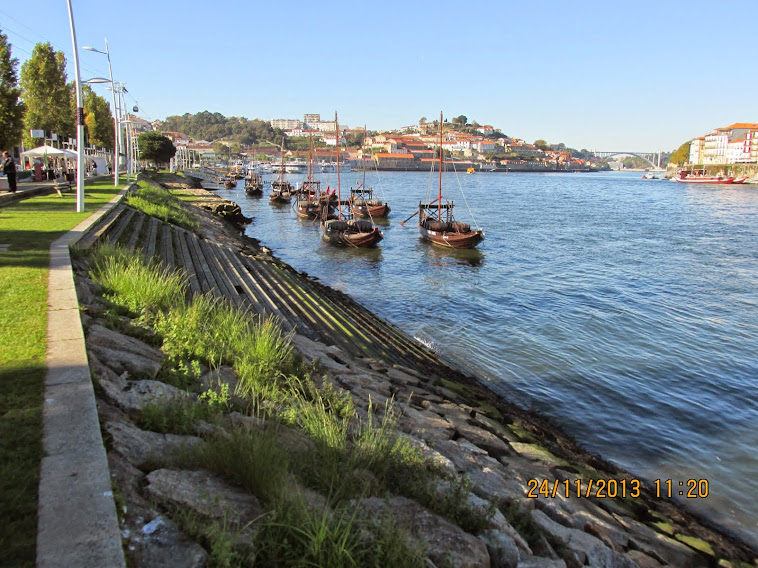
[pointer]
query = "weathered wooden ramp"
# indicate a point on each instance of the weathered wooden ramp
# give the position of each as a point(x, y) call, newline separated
point(263, 285)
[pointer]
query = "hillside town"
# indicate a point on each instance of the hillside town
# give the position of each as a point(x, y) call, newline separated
point(409, 148)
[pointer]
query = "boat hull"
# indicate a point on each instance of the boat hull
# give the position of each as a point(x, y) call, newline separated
point(454, 240)
point(372, 210)
point(351, 237)
point(697, 179)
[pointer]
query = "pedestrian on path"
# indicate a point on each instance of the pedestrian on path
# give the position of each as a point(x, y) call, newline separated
point(9, 169)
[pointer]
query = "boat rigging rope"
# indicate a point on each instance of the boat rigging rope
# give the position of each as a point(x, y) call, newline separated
point(460, 187)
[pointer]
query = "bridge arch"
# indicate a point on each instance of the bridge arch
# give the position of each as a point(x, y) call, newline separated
point(646, 156)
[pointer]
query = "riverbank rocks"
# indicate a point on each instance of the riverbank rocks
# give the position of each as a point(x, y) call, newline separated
point(124, 354)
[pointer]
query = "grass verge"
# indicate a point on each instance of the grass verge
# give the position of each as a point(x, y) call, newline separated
point(28, 228)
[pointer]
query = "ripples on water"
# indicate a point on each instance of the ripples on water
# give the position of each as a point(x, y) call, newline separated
point(625, 309)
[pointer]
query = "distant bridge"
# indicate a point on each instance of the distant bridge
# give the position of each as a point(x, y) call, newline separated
point(652, 158)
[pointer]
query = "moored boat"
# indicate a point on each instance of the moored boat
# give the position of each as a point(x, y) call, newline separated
point(254, 185)
point(699, 176)
point(436, 221)
point(345, 229)
point(281, 190)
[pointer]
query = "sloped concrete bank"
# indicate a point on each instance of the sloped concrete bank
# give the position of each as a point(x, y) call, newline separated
point(523, 473)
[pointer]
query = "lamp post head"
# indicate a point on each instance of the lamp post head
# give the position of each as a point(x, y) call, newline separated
point(89, 48)
point(95, 80)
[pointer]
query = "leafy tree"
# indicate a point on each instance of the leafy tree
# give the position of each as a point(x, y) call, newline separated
point(541, 144)
point(422, 120)
point(98, 119)
point(155, 147)
point(462, 120)
point(11, 107)
point(47, 97)
point(681, 155)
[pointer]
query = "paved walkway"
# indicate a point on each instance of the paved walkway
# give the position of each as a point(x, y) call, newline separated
point(77, 522)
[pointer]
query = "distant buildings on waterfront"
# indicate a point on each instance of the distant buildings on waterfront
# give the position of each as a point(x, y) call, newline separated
point(734, 144)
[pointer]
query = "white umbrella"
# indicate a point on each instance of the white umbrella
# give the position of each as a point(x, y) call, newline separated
point(49, 151)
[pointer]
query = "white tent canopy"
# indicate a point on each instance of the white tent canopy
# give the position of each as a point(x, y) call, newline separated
point(49, 151)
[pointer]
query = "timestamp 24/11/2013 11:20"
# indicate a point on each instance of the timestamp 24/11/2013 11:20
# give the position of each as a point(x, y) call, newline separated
point(616, 488)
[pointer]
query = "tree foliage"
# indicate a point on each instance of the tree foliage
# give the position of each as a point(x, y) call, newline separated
point(155, 147)
point(47, 97)
point(215, 126)
point(98, 119)
point(681, 155)
point(542, 145)
point(11, 107)
point(462, 120)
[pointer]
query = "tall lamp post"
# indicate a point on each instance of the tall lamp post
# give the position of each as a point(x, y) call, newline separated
point(79, 119)
point(116, 118)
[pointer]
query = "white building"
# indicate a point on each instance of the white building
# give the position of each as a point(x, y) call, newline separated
point(731, 144)
point(285, 123)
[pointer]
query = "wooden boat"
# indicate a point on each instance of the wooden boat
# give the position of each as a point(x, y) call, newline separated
point(345, 229)
point(437, 224)
point(308, 195)
point(230, 183)
point(699, 176)
point(281, 190)
point(362, 200)
point(254, 185)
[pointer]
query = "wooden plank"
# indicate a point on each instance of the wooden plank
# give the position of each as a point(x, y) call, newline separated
point(201, 266)
point(102, 227)
point(222, 279)
point(134, 237)
point(119, 228)
point(185, 260)
point(152, 237)
point(167, 245)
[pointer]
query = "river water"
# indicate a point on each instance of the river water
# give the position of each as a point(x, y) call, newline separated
point(624, 309)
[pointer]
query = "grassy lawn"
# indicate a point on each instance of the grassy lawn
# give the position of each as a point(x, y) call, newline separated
point(28, 227)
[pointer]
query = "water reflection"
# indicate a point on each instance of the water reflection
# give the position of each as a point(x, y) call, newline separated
point(444, 257)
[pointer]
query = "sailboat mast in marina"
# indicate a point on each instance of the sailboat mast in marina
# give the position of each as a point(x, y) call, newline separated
point(436, 221)
point(362, 200)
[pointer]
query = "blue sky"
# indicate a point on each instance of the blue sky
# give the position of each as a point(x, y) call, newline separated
point(638, 76)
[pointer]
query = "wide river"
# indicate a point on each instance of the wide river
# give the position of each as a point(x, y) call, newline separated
point(624, 309)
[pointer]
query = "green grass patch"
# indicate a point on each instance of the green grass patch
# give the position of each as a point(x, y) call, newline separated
point(162, 204)
point(28, 227)
point(139, 287)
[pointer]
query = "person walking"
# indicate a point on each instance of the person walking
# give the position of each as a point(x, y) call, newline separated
point(9, 169)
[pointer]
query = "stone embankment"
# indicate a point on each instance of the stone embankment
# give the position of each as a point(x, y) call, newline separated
point(456, 423)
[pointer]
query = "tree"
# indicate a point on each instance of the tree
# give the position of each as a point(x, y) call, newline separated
point(462, 120)
point(681, 155)
point(422, 120)
point(541, 144)
point(11, 107)
point(47, 97)
point(98, 119)
point(155, 147)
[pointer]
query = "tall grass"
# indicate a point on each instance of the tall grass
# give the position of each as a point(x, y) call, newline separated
point(162, 204)
point(138, 286)
point(211, 330)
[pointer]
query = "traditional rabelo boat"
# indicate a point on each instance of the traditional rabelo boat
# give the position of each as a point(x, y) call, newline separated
point(345, 229)
point(308, 195)
point(362, 200)
point(254, 185)
point(437, 224)
point(281, 190)
point(230, 183)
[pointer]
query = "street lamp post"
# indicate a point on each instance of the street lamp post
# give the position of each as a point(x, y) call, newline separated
point(116, 117)
point(79, 119)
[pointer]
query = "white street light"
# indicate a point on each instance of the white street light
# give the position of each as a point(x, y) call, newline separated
point(116, 117)
point(79, 119)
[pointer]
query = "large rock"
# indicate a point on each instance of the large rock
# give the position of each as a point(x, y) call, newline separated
point(577, 547)
point(133, 396)
point(203, 494)
point(160, 543)
point(142, 448)
point(124, 354)
point(447, 544)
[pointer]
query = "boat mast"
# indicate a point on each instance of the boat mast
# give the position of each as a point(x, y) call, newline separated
point(363, 155)
point(337, 145)
point(281, 159)
point(439, 196)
